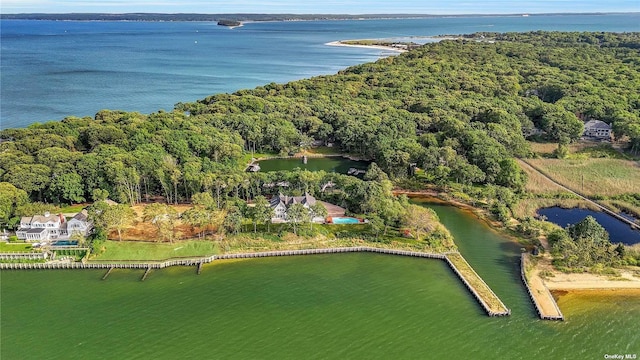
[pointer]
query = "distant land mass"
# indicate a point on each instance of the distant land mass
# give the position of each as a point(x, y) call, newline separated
point(230, 23)
point(238, 17)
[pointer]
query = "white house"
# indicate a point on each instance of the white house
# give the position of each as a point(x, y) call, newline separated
point(41, 227)
point(79, 224)
point(281, 203)
point(597, 129)
point(52, 227)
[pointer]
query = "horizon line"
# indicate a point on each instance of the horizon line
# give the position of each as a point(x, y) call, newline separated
point(324, 14)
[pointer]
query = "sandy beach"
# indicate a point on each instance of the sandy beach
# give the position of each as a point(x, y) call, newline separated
point(563, 281)
point(378, 47)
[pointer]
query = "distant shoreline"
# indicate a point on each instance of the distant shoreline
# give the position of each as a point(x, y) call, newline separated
point(377, 47)
point(247, 17)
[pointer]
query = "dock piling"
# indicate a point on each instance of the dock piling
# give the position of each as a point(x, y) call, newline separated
point(107, 274)
point(146, 273)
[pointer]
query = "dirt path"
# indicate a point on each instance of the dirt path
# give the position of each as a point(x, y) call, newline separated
point(524, 162)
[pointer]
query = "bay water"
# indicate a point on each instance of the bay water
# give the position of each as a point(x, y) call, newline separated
point(54, 69)
point(341, 306)
point(324, 306)
point(336, 164)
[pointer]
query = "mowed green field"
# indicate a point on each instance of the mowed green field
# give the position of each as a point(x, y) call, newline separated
point(593, 176)
point(130, 250)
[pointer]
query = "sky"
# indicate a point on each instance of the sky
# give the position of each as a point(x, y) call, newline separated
point(319, 6)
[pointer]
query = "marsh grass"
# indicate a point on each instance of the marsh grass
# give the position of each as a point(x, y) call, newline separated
point(546, 149)
point(580, 150)
point(538, 183)
point(593, 177)
point(529, 207)
point(622, 206)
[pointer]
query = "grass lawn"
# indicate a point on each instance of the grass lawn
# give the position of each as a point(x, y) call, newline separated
point(131, 250)
point(15, 247)
point(601, 176)
point(72, 208)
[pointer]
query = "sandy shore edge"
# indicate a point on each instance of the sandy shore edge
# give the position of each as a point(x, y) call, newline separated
point(591, 282)
point(377, 47)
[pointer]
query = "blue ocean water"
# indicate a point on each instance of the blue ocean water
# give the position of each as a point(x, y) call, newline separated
point(53, 69)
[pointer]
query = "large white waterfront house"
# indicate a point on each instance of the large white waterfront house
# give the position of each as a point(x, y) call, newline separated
point(281, 203)
point(53, 227)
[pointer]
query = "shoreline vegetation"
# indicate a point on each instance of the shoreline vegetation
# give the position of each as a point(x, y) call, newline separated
point(433, 118)
point(552, 278)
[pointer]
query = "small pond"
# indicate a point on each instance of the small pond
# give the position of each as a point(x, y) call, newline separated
point(618, 230)
point(336, 164)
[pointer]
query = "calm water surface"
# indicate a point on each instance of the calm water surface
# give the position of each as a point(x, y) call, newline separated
point(53, 69)
point(618, 230)
point(329, 164)
point(345, 306)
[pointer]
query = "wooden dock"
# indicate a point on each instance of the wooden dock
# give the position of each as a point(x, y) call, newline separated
point(107, 274)
point(545, 304)
point(490, 302)
point(146, 273)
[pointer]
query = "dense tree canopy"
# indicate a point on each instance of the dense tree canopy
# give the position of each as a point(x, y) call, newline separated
point(584, 244)
point(457, 109)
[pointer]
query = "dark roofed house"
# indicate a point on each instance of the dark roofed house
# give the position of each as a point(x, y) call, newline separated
point(597, 129)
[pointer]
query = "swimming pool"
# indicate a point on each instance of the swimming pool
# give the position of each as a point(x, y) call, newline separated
point(345, 220)
point(64, 243)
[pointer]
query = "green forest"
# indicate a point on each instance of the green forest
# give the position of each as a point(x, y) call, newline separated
point(457, 109)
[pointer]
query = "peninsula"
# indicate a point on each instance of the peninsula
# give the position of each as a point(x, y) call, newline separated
point(454, 117)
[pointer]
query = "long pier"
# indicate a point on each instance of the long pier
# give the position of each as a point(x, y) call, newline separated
point(502, 310)
point(550, 309)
